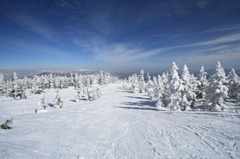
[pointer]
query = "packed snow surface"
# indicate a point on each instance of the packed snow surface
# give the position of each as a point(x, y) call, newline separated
point(120, 124)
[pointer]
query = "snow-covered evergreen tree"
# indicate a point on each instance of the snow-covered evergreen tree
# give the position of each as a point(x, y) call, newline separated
point(188, 95)
point(159, 87)
point(15, 76)
point(17, 91)
point(234, 84)
point(217, 91)
point(203, 82)
point(150, 89)
point(2, 84)
point(141, 82)
point(173, 96)
point(159, 103)
point(98, 93)
point(58, 103)
point(78, 97)
point(42, 105)
point(185, 103)
point(148, 77)
point(93, 94)
point(135, 83)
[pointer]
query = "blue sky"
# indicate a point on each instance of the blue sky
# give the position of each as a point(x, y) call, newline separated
point(119, 35)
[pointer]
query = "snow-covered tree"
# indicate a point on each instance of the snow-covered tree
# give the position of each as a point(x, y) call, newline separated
point(135, 83)
point(17, 91)
point(173, 96)
point(159, 91)
point(217, 91)
point(15, 76)
point(141, 82)
point(148, 77)
point(78, 97)
point(159, 103)
point(150, 89)
point(42, 105)
point(58, 103)
point(93, 94)
point(1, 84)
point(7, 124)
point(98, 93)
point(234, 84)
point(203, 82)
point(188, 95)
point(185, 103)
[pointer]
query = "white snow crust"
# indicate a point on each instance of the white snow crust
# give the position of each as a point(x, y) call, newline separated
point(120, 124)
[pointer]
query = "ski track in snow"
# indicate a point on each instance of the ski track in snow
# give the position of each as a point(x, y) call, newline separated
point(121, 124)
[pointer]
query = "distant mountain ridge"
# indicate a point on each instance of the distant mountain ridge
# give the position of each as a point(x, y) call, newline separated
point(8, 74)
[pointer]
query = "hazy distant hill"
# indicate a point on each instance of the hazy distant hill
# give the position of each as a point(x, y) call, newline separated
point(8, 74)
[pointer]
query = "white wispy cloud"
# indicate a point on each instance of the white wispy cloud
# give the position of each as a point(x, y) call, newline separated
point(215, 49)
point(229, 54)
point(223, 29)
point(120, 53)
point(220, 40)
point(225, 48)
point(38, 48)
point(34, 24)
point(114, 52)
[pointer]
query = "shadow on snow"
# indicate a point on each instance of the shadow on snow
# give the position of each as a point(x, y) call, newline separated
point(141, 105)
point(137, 97)
point(139, 108)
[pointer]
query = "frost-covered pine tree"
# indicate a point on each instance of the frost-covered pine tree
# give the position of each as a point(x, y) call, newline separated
point(141, 82)
point(150, 89)
point(58, 103)
point(102, 80)
point(134, 83)
point(202, 83)
point(148, 77)
point(173, 97)
point(185, 103)
point(71, 79)
point(78, 97)
point(159, 88)
point(91, 95)
point(159, 103)
point(188, 90)
point(98, 93)
point(217, 91)
point(17, 91)
point(42, 105)
point(15, 76)
point(159, 92)
point(8, 88)
point(234, 84)
point(1, 84)
point(165, 86)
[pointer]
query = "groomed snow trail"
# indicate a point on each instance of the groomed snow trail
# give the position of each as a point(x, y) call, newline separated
point(121, 124)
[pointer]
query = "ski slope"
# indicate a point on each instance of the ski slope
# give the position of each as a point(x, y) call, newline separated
point(121, 124)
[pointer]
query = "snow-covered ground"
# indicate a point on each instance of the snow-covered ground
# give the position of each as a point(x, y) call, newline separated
point(121, 124)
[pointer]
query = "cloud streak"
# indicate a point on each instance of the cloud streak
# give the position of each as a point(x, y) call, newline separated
point(114, 52)
point(38, 48)
point(223, 29)
point(34, 24)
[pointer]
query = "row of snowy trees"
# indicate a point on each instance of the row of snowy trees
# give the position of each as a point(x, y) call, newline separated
point(89, 94)
point(16, 87)
point(181, 92)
